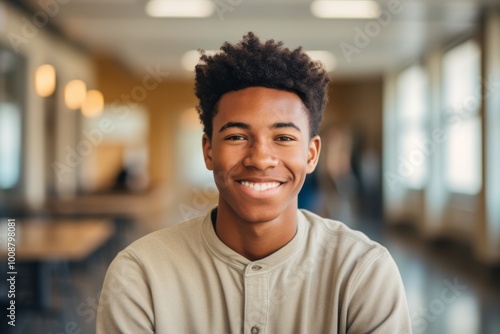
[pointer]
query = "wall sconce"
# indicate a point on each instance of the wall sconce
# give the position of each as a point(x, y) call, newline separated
point(74, 94)
point(45, 80)
point(325, 57)
point(93, 104)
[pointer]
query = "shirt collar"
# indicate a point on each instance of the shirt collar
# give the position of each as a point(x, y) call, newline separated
point(229, 256)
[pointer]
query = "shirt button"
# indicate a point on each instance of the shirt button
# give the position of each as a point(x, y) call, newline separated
point(255, 330)
point(256, 268)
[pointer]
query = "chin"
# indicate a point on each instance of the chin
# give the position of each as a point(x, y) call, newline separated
point(258, 217)
point(258, 213)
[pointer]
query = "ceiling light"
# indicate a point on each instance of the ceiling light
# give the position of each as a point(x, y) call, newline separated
point(74, 94)
point(180, 8)
point(325, 57)
point(45, 80)
point(191, 58)
point(345, 9)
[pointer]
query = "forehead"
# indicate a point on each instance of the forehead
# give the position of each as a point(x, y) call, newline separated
point(256, 104)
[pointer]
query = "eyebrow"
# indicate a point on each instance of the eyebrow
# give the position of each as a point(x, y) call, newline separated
point(285, 125)
point(238, 125)
point(246, 126)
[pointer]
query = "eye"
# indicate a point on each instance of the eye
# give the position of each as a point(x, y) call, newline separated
point(285, 138)
point(234, 138)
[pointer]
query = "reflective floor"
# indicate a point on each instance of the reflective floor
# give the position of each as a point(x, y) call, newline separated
point(447, 291)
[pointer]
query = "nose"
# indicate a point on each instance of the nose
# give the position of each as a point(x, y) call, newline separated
point(260, 156)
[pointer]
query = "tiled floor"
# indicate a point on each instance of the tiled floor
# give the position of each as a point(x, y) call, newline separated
point(447, 291)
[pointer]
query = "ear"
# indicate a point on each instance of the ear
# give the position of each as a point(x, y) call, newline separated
point(313, 153)
point(207, 151)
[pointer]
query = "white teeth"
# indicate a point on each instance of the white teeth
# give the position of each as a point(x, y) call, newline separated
point(260, 186)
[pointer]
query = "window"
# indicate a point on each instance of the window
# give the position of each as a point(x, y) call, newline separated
point(11, 69)
point(462, 119)
point(191, 165)
point(411, 126)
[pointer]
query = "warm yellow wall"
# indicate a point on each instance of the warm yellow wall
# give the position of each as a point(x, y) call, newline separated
point(357, 103)
point(164, 104)
point(110, 156)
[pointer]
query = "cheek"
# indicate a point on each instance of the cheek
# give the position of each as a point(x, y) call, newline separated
point(219, 177)
point(224, 161)
point(297, 160)
point(223, 167)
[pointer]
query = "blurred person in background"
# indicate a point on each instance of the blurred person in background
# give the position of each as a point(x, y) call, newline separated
point(256, 263)
point(310, 196)
point(339, 151)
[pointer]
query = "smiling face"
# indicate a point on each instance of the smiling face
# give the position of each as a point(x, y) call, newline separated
point(260, 153)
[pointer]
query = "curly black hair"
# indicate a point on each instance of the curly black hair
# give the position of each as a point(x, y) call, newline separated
point(251, 63)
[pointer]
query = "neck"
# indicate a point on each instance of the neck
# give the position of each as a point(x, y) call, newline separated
point(255, 240)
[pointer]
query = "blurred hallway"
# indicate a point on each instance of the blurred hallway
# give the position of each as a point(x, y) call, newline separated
point(100, 141)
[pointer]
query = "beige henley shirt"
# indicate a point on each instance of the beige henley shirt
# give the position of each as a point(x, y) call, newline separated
point(183, 279)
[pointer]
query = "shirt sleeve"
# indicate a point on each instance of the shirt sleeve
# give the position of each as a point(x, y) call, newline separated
point(377, 300)
point(125, 303)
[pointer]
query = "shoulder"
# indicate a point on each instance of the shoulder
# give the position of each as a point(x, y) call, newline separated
point(160, 256)
point(353, 257)
point(166, 242)
point(343, 243)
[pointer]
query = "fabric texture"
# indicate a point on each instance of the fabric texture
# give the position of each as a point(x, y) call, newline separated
point(183, 279)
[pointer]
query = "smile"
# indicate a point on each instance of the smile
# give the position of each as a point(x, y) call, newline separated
point(260, 186)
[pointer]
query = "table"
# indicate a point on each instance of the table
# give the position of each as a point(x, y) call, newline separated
point(45, 240)
point(116, 205)
point(41, 239)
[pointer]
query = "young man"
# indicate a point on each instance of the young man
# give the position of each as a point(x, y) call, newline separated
point(256, 264)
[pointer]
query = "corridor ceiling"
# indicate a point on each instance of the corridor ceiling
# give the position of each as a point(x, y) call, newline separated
point(362, 47)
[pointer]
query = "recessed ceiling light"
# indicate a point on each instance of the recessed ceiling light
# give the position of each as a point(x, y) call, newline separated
point(345, 9)
point(191, 58)
point(180, 8)
point(325, 57)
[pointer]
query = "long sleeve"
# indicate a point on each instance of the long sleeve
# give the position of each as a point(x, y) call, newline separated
point(125, 304)
point(377, 301)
